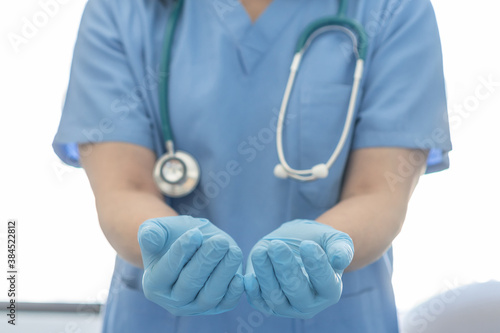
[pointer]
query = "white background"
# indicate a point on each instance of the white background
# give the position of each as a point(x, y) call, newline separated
point(450, 237)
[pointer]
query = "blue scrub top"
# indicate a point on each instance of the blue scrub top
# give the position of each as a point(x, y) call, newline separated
point(227, 81)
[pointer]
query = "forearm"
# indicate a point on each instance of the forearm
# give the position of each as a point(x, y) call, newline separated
point(121, 178)
point(120, 215)
point(372, 220)
point(372, 209)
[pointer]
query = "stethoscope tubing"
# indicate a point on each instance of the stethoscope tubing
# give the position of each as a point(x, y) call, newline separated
point(338, 22)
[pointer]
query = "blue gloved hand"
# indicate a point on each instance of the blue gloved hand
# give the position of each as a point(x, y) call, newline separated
point(296, 270)
point(191, 267)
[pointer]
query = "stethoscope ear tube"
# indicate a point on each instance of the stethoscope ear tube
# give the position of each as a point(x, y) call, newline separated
point(336, 22)
point(283, 169)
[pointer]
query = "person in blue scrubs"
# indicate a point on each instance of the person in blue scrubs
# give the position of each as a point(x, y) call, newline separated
point(229, 68)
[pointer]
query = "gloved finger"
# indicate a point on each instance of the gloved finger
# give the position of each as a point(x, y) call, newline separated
point(340, 251)
point(269, 286)
point(321, 275)
point(292, 280)
point(163, 274)
point(254, 295)
point(233, 294)
point(217, 284)
point(152, 239)
point(197, 271)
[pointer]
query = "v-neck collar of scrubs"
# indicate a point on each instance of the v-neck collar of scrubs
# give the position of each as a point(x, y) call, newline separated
point(253, 39)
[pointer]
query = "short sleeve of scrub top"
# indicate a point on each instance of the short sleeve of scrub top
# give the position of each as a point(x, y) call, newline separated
point(105, 100)
point(227, 81)
point(412, 112)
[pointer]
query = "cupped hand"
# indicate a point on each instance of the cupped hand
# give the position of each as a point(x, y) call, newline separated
point(191, 267)
point(296, 270)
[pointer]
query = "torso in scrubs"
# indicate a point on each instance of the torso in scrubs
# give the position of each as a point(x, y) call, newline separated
point(227, 82)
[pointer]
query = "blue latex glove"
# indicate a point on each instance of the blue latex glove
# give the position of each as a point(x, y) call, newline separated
point(296, 270)
point(191, 267)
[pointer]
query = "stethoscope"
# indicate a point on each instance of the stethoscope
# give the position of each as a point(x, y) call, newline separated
point(177, 173)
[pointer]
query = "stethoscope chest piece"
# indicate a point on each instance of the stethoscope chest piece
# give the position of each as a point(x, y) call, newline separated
point(177, 174)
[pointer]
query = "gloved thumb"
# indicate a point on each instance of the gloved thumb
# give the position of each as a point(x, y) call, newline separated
point(340, 251)
point(152, 239)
